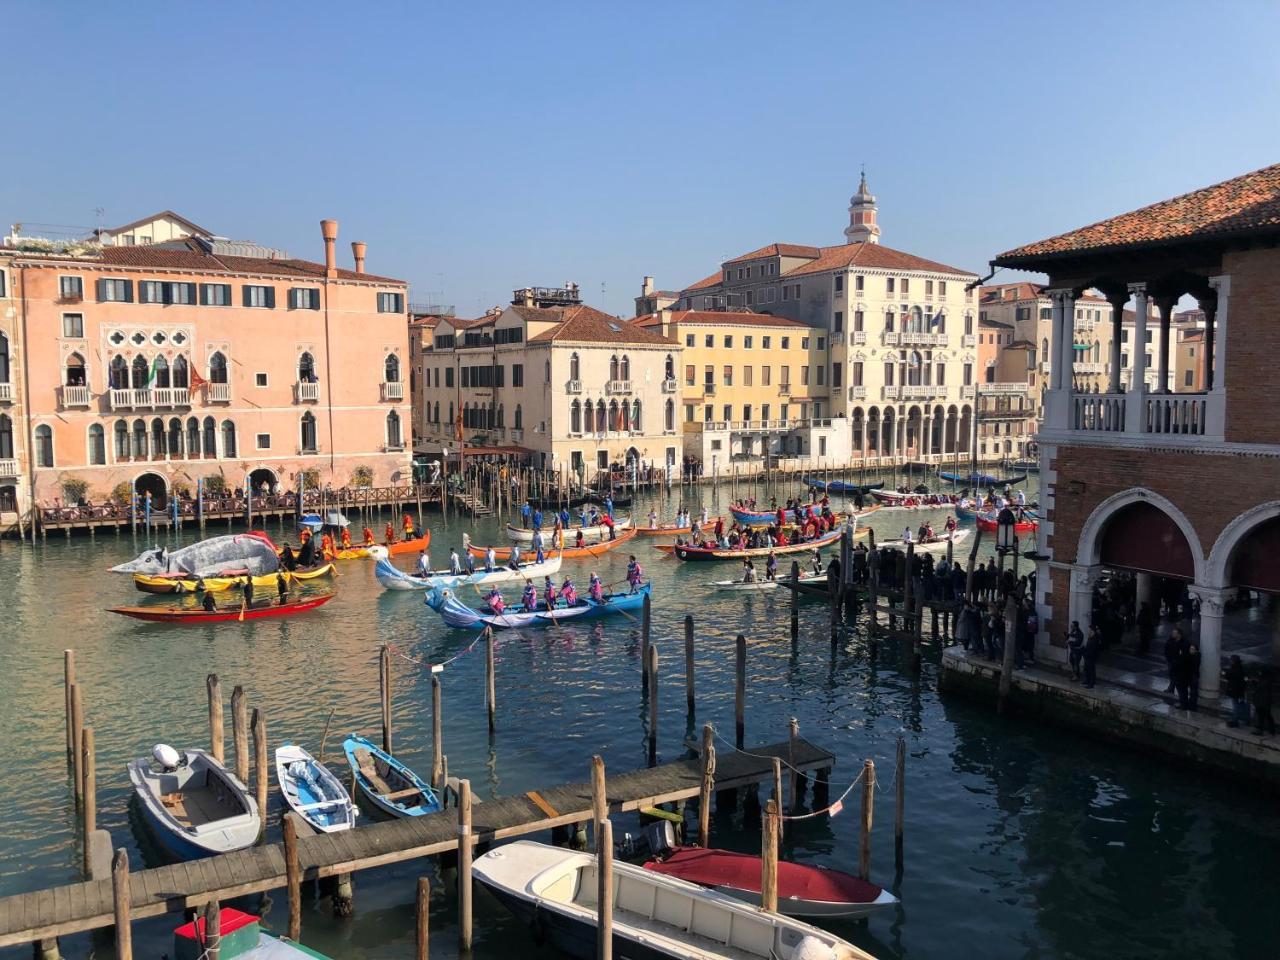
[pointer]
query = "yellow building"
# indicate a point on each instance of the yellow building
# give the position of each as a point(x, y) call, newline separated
point(751, 385)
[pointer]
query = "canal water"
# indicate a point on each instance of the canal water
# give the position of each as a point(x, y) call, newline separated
point(1021, 841)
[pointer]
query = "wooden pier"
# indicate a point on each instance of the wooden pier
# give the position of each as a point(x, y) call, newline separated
point(76, 907)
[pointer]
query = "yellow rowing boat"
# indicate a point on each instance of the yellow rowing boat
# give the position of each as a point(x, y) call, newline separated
point(187, 584)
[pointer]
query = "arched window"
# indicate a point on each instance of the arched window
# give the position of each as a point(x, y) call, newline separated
point(141, 370)
point(669, 368)
point(602, 422)
point(393, 430)
point(158, 446)
point(44, 445)
point(669, 416)
point(575, 367)
point(160, 367)
point(119, 373)
point(391, 368)
point(210, 436)
point(626, 368)
point(502, 419)
point(1044, 350)
point(1097, 351)
point(4, 360)
point(6, 437)
point(228, 438)
point(635, 417)
point(518, 422)
point(121, 433)
point(139, 440)
point(308, 433)
point(97, 445)
point(175, 437)
point(888, 321)
point(74, 373)
point(218, 368)
point(916, 321)
point(306, 368)
point(614, 422)
point(613, 367)
point(575, 417)
point(181, 379)
point(193, 437)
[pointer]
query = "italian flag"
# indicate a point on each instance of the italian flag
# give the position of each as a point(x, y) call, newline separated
point(155, 367)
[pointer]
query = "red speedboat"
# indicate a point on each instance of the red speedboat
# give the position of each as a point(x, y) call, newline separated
point(229, 612)
point(802, 891)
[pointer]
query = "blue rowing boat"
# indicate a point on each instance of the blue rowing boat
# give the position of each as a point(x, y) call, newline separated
point(840, 486)
point(391, 788)
point(457, 614)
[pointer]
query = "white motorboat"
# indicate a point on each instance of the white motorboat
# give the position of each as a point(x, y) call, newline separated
point(937, 545)
point(554, 890)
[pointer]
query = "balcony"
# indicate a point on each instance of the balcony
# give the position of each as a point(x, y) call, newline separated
point(922, 391)
point(150, 398)
point(306, 392)
point(857, 393)
point(967, 391)
point(6, 393)
point(218, 393)
point(72, 397)
point(669, 386)
point(1007, 387)
point(889, 393)
point(516, 434)
point(921, 338)
point(615, 387)
point(9, 468)
point(859, 336)
point(784, 389)
point(1088, 366)
point(393, 391)
point(968, 340)
point(1166, 419)
point(837, 338)
point(573, 386)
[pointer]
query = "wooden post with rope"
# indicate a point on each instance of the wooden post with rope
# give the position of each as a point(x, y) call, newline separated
point(212, 930)
point(868, 799)
point(769, 858)
point(707, 786)
point(240, 733)
point(464, 865)
point(437, 739)
point(384, 694)
point(653, 706)
point(777, 786)
point(604, 890)
point(490, 679)
point(216, 726)
point(740, 689)
point(689, 700)
point(293, 875)
point(120, 898)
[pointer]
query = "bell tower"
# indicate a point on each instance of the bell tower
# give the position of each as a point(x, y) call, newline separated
point(862, 216)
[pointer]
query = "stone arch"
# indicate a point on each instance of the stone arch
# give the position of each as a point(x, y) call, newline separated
point(154, 484)
point(1217, 571)
point(1089, 549)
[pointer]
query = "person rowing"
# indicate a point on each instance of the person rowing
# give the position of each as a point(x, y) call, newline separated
point(550, 594)
point(817, 562)
point(368, 537)
point(455, 565)
point(424, 564)
point(489, 557)
point(635, 574)
point(569, 593)
point(529, 598)
point(748, 571)
point(771, 567)
point(653, 519)
point(515, 557)
point(595, 589)
point(282, 587)
point(346, 538)
point(579, 540)
point(390, 532)
point(208, 603)
point(495, 601)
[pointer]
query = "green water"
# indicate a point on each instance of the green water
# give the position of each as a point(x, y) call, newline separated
point(1021, 841)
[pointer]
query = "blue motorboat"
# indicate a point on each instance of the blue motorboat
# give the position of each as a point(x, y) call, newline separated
point(457, 614)
point(390, 787)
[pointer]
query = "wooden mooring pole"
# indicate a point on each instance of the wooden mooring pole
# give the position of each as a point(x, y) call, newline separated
point(120, 894)
point(89, 798)
point(1009, 651)
point(212, 930)
point(214, 687)
point(708, 784)
point(653, 706)
point(259, 727)
point(769, 859)
point(604, 890)
point(795, 600)
point(868, 799)
point(69, 681)
point(422, 917)
point(599, 797)
point(77, 757)
point(437, 739)
point(740, 689)
point(464, 865)
point(645, 625)
point(490, 679)
point(688, 666)
point(900, 801)
point(240, 733)
point(384, 694)
point(293, 876)
point(777, 786)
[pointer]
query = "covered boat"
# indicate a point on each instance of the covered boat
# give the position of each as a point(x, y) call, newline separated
point(183, 583)
point(686, 552)
point(312, 791)
point(840, 486)
point(193, 805)
point(937, 544)
point(390, 787)
point(457, 614)
point(570, 552)
point(803, 891)
point(392, 578)
point(232, 611)
point(654, 916)
point(240, 938)
point(591, 534)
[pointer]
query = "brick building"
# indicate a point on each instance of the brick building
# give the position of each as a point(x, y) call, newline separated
point(1178, 487)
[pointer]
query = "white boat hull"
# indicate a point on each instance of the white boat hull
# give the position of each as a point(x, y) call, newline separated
point(937, 545)
point(593, 534)
point(395, 579)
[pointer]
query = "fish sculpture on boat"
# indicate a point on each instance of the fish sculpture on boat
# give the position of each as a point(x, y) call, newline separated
point(235, 553)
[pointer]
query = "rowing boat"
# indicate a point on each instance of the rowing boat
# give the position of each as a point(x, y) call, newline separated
point(748, 586)
point(990, 523)
point(312, 791)
point(184, 583)
point(687, 552)
point(458, 615)
point(394, 579)
point(596, 532)
point(767, 518)
point(937, 545)
point(568, 553)
point(230, 612)
point(893, 500)
point(671, 530)
point(981, 479)
point(840, 486)
point(391, 788)
point(394, 548)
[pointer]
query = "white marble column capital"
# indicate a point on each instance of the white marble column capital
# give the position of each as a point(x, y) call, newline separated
point(1213, 600)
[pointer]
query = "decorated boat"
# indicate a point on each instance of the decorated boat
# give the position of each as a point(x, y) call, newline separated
point(890, 499)
point(231, 612)
point(687, 552)
point(389, 787)
point(568, 553)
point(312, 791)
point(251, 552)
point(840, 486)
point(395, 548)
point(457, 614)
point(392, 578)
point(184, 583)
point(591, 534)
point(673, 530)
point(803, 891)
point(654, 916)
point(937, 544)
point(767, 518)
point(980, 479)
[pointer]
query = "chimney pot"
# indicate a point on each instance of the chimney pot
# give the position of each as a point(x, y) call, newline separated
point(329, 230)
point(357, 251)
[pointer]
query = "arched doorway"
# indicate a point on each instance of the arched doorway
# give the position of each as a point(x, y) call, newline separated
point(155, 485)
point(263, 475)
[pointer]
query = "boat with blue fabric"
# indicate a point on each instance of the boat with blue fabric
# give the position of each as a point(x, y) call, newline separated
point(457, 614)
point(312, 791)
point(391, 788)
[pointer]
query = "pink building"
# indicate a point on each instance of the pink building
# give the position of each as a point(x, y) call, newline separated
point(154, 366)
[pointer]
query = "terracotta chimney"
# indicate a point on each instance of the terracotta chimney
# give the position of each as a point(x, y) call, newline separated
point(357, 251)
point(646, 287)
point(329, 229)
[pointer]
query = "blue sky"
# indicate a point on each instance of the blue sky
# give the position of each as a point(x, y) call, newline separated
point(481, 147)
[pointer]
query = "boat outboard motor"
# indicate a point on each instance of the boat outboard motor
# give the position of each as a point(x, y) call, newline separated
point(660, 837)
point(166, 756)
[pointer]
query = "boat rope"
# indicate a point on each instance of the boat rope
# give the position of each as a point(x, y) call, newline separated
point(438, 667)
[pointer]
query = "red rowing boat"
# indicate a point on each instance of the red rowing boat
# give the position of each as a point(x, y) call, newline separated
point(803, 891)
point(990, 524)
point(200, 615)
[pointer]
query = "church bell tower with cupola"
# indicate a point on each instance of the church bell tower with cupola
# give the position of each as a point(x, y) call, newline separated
point(862, 216)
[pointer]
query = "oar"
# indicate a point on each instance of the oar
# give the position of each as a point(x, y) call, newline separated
point(325, 735)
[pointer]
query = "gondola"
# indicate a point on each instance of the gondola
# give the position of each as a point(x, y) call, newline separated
point(230, 612)
point(767, 518)
point(981, 479)
point(457, 614)
point(937, 545)
point(686, 552)
point(671, 530)
point(763, 583)
point(568, 553)
point(184, 583)
point(840, 486)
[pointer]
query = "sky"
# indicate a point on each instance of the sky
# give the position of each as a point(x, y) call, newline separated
point(481, 147)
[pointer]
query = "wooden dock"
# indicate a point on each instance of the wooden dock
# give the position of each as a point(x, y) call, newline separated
point(77, 907)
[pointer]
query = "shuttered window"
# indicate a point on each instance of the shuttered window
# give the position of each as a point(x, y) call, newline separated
point(215, 294)
point(256, 295)
point(304, 298)
point(115, 291)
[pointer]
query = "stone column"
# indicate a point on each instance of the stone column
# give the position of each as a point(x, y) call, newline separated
point(1135, 412)
point(1056, 372)
point(1146, 585)
point(1083, 577)
point(1165, 306)
point(1216, 408)
point(1117, 300)
point(1213, 603)
point(1209, 306)
point(925, 423)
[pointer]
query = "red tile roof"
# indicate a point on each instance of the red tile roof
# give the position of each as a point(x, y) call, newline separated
point(705, 282)
point(1249, 204)
point(195, 227)
point(195, 258)
point(723, 317)
point(779, 250)
point(873, 256)
point(583, 324)
point(1021, 291)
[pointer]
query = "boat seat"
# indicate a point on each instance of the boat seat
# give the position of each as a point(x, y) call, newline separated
point(172, 799)
point(364, 759)
point(401, 794)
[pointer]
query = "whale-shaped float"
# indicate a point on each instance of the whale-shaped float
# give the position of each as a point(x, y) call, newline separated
point(252, 553)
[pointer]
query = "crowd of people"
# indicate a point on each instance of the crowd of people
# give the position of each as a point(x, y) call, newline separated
point(804, 523)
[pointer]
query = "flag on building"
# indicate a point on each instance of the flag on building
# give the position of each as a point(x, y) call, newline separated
point(154, 371)
point(457, 427)
point(197, 381)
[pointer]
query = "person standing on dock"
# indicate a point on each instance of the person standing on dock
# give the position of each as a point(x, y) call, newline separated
point(1075, 648)
point(1089, 654)
point(1262, 695)
point(1146, 627)
point(1234, 687)
point(1172, 650)
point(1187, 675)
